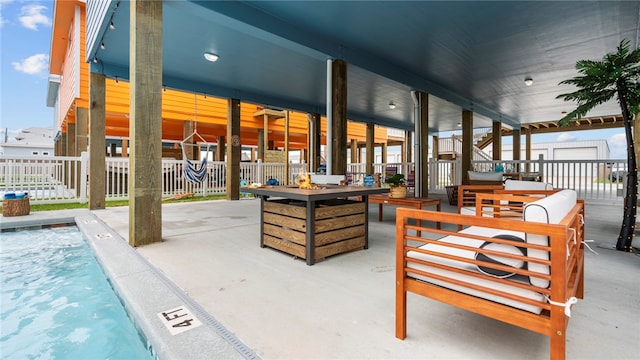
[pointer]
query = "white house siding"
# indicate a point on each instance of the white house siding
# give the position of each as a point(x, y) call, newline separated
point(29, 142)
point(570, 150)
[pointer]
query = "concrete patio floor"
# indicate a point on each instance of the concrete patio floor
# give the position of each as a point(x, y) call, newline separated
point(343, 307)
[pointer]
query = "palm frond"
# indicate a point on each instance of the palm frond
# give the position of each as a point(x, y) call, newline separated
point(598, 82)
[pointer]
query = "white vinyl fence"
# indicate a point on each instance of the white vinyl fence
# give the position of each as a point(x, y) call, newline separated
point(61, 179)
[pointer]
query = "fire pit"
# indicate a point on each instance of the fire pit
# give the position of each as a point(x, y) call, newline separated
point(314, 223)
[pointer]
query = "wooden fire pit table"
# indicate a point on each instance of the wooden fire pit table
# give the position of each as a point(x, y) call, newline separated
point(314, 223)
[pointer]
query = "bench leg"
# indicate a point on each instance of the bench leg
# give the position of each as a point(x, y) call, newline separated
point(401, 312)
point(558, 345)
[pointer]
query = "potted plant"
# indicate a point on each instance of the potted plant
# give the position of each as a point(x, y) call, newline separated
point(397, 187)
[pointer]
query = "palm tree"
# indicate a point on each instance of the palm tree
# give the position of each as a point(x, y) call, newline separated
point(617, 74)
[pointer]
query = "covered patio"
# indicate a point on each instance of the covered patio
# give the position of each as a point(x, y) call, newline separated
point(343, 307)
point(424, 67)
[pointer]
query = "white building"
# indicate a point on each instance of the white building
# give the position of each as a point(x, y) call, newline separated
point(28, 142)
point(569, 150)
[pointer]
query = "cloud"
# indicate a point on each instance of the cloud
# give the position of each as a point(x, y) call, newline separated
point(618, 140)
point(32, 65)
point(565, 137)
point(2, 4)
point(618, 146)
point(31, 16)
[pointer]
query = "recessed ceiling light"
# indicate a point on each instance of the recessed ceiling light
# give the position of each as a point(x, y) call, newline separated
point(459, 124)
point(528, 81)
point(211, 57)
point(392, 105)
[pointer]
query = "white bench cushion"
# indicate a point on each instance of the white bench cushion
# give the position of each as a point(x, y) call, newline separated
point(550, 210)
point(526, 185)
point(471, 267)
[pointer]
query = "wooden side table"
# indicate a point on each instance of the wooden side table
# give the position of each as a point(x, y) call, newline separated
point(414, 202)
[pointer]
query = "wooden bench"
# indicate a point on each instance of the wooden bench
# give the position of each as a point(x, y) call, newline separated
point(451, 267)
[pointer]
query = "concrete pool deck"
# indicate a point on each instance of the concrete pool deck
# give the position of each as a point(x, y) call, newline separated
point(343, 307)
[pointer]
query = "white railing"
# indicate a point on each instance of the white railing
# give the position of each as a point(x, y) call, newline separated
point(453, 145)
point(58, 179)
point(47, 179)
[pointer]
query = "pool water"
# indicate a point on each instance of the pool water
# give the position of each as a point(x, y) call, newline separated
point(56, 302)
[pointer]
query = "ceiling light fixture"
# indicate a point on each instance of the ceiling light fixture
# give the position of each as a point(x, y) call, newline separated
point(112, 25)
point(564, 113)
point(95, 60)
point(459, 124)
point(528, 81)
point(392, 105)
point(102, 46)
point(211, 57)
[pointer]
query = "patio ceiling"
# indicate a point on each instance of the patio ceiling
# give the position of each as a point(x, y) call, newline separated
point(466, 55)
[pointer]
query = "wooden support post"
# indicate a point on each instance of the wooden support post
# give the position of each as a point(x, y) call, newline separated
point(285, 181)
point(408, 146)
point(527, 154)
point(370, 135)
point(339, 117)
point(422, 188)
point(467, 144)
point(261, 144)
point(97, 143)
point(497, 140)
point(71, 139)
point(354, 151)
point(63, 144)
point(145, 124)
point(71, 151)
point(233, 150)
point(82, 121)
point(317, 139)
point(516, 148)
point(125, 148)
point(435, 149)
point(189, 148)
point(265, 134)
point(220, 149)
point(384, 153)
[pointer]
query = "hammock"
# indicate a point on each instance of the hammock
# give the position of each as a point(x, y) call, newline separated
point(192, 172)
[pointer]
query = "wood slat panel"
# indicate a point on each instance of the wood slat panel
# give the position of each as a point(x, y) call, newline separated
point(340, 247)
point(286, 233)
point(324, 212)
point(339, 235)
point(293, 223)
point(286, 246)
point(299, 212)
point(339, 223)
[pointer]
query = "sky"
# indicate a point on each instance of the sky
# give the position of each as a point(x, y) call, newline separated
point(25, 41)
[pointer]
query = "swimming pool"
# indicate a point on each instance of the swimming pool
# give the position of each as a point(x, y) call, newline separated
point(57, 303)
